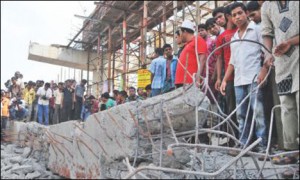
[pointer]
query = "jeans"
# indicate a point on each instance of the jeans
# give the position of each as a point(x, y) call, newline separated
point(155, 92)
point(30, 108)
point(85, 113)
point(260, 127)
point(43, 111)
point(78, 106)
point(57, 114)
point(14, 114)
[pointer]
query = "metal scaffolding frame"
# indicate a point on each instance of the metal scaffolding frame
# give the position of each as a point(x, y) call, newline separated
point(124, 28)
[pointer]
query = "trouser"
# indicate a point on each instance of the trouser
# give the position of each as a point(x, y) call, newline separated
point(85, 113)
point(271, 99)
point(257, 107)
point(4, 120)
point(51, 114)
point(155, 92)
point(66, 112)
point(57, 114)
point(30, 109)
point(20, 114)
point(230, 105)
point(43, 112)
point(78, 107)
point(35, 118)
point(290, 120)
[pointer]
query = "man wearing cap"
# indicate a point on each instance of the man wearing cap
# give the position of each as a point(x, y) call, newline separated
point(187, 64)
point(29, 96)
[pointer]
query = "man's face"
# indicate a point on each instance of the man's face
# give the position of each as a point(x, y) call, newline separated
point(178, 39)
point(168, 51)
point(104, 100)
point(202, 32)
point(214, 29)
point(220, 19)
point(184, 37)
point(140, 92)
point(255, 16)
point(131, 92)
point(239, 17)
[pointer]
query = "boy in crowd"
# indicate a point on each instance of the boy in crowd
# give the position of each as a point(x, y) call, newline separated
point(245, 62)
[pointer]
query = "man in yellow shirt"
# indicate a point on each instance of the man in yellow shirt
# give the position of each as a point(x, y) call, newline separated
point(29, 96)
point(4, 111)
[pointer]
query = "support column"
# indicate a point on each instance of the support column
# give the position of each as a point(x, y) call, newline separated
point(109, 58)
point(164, 22)
point(175, 26)
point(144, 36)
point(88, 72)
point(99, 61)
point(113, 68)
point(124, 53)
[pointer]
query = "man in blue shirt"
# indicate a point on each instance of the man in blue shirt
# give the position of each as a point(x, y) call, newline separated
point(158, 70)
point(171, 64)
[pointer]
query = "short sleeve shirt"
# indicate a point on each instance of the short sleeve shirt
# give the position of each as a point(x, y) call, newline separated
point(158, 68)
point(225, 51)
point(190, 62)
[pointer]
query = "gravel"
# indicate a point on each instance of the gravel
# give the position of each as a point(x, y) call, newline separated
point(15, 164)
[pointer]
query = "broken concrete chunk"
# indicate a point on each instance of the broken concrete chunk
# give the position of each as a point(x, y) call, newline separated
point(16, 159)
point(24, 169)
point(26, 152)
point(33, 175)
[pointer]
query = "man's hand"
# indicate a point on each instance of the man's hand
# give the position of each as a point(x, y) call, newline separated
point(218, 84)
point(261, 76)
point(282, 48)
point(269, 59)
point(223, 87)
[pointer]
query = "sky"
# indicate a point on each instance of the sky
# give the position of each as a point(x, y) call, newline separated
point(44, 22)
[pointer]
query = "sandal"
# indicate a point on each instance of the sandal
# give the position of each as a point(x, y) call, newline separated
point(289, 173)
point(279, 160)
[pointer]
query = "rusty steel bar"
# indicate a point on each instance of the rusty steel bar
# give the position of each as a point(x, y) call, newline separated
point(124, 53)
point(109, 57)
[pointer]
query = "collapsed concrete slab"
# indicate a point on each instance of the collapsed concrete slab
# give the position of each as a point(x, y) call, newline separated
point(97, 147)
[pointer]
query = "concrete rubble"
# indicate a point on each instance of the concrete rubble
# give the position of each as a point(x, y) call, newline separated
point(114, 143)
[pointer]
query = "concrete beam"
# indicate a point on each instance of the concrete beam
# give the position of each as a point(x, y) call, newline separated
point(59, 55)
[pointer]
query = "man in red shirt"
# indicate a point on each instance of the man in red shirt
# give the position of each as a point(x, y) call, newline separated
point(223, 58)
point(187, 64)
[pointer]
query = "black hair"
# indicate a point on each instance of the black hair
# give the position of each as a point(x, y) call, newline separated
point(217, 10)
point(132, 87)
point(148, 87)
point(124, 94)
point(252, 6)
point(116, 92)
point(236, 5)
point(159, 51)
point(177, 32)
point(13, 78)
point(187, 30)
point(84, 81)
point(166, 46)
point(203, 26)
point(210, 22)
point(227, 10)
point(47, 85)
point(105, 95)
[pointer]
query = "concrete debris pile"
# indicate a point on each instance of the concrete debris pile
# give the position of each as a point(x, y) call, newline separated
point(15, 164)
point(97, 147)
point(154, 138)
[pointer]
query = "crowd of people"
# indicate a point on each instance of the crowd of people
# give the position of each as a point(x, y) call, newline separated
point(234, 70)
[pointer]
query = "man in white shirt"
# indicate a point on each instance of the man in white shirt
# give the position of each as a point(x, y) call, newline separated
point(58, 98)
point(44, 94)
point(245, 62)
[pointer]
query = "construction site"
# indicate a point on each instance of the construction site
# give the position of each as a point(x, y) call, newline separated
point(156, 138)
